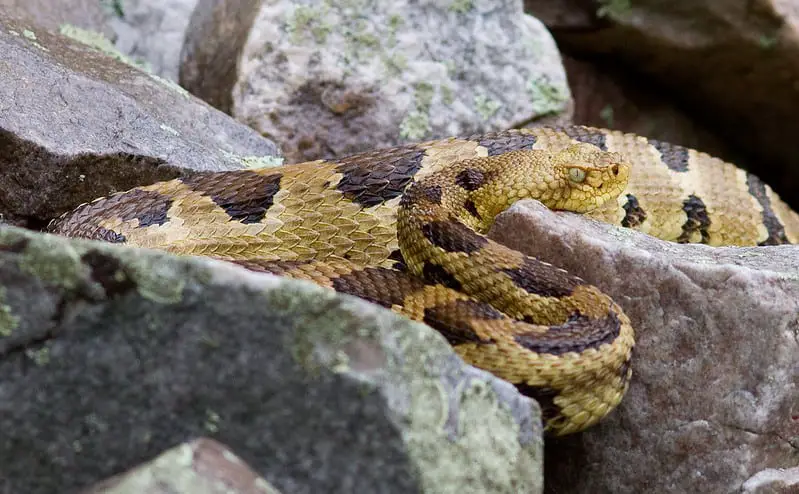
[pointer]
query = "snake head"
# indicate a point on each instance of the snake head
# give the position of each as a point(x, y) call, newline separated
point(586, 178)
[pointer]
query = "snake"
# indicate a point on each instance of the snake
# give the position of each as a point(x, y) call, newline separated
point(405, 227)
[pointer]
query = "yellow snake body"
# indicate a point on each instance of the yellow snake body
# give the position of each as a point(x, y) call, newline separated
point(404, 227)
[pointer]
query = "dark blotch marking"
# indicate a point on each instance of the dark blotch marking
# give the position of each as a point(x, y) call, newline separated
point(582, 134)
point(108, 272)
point(698, 220)
point(775, 229)
point(432, 193)
point(245, 196)
point(148, 206)
point(399, 263)
point(505, 141)
point(454, 320)
point(634, 215)
point(453, 236)
point(375, 177)
point(16, 246)
point(107, 235)
point(578, 334)
point(470, 179)
point(675, 157)
point(433, 273)
point(471, 207)
point(381, 286)
point(545, 398)
point(538, 278)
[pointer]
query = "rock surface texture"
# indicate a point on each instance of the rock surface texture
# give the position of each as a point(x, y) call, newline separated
point(332, 78)
point(203, 466)
point(83, 125)
point(714, 397)
point(735, 63)
point(109, 356)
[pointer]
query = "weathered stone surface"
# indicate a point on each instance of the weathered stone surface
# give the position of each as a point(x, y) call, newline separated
point(734, 63)
point(332, 78)
point(75, 124)
point(203, 466)
point(607, 95)
point(86, 14)
point(153, 31)
point(714, 397)
point(773, 481)
point(111, 355)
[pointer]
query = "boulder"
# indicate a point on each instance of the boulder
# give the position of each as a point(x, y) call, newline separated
point(111, 355)
point(714, 397)
point(333, 78)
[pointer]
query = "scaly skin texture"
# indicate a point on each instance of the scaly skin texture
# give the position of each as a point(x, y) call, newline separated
point(404, 228)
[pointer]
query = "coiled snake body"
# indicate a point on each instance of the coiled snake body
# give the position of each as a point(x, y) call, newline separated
point(403, 227)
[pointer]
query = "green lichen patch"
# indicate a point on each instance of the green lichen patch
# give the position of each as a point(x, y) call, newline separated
point(8, 321)
point(614, 8)
point(546, 96)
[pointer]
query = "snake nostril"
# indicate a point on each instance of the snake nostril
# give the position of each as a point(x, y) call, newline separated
point(614, 169)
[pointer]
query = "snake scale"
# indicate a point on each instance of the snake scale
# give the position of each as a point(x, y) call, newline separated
point(404, 228)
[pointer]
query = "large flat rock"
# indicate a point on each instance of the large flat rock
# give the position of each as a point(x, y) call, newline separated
point(714, 398)
point(110, 355)
point(77, 122)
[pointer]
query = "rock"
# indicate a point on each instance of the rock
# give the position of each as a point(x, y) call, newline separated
point(606, 95)
point(773, 481)
point(86, 14)
point(715, 387)
point(333, 78)
point(734, 63)
point(111, 355)
point(202, 466)
point(153, 31)
point(76, 124)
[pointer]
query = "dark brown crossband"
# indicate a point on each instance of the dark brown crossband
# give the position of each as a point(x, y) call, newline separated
point(503, 142)
point(370, 179)
point(698, 220)
point(582, 134)
point(470, 179)
point(538, 278)
point(454, 320)
point(675, 157)
point(578, 334)
point(149, 207)
point(634, 215)
point(245, 195)
point(432, 193)
point(471, 208)
point(545, 398)
point(453, 236)
point(381, 286)
point(433, 273)
point(775, 229)
point(101, 233)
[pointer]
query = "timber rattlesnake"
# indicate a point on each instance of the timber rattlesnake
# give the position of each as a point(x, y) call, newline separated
point(403, 227)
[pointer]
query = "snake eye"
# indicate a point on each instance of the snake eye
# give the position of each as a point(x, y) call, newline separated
point(576, 175)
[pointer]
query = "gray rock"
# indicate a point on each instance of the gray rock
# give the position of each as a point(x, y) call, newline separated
point(76, 124)
point(202, 466)
point(715, 387)
point(331, 78)
point(773, 481)
point(91, 15)
point(732, 63)
point(111, 355)
point(153, 31)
